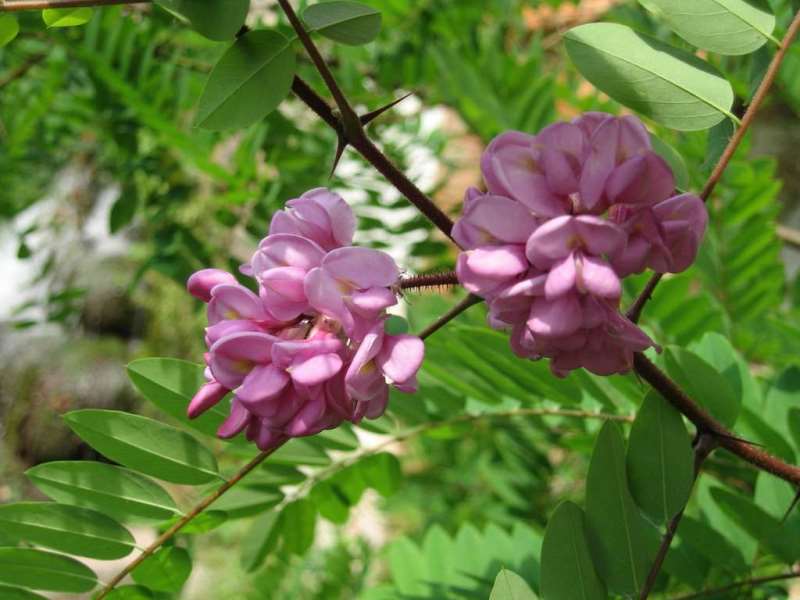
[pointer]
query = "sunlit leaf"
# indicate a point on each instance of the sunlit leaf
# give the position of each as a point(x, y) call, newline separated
point(723, 26)
point(343, 21)
point(145, 445)
point(66, 17)
point(117, 491)
point(510, 586)
point(9, 28)
point(69, 529)
point(664, 83)
point(250, 80)
point(42, 570)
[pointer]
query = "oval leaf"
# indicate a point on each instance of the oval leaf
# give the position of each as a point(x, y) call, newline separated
point(704, 384)
point(14, 593)
point(510, 586)
point(170, 384)
point(250, 80)
point(66, 17)
point(145, 445)
point(350, 23)
point(166, 570)
point(661, 82)
point(42, 570)
point(622, 543)
point(218, 20)
point(65, 528)
point(567, 569)
point(130, 592)
point(113, 490)
point(723, 26)
point(660, 459)
point(261, 540)
point(675, 161)
point(9, 28)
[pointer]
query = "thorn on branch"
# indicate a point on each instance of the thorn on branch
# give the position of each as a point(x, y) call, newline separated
point(367, 118)
point(791, 506)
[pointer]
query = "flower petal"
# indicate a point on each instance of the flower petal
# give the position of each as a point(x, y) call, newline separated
point(400, 357)
point(202, 282)
point(315, 369)
point(361, 268)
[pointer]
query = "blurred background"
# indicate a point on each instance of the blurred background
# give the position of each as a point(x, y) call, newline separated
point(109, 199)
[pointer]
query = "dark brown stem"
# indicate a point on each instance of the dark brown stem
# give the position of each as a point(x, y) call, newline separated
point(703, 446)
point(44, 4)
point(739, 584)
point(733, 144)
point(375, 157)
point(185, 520)
point(707, 424)
point(429, 280)
point(451, 314)
point(350, 121)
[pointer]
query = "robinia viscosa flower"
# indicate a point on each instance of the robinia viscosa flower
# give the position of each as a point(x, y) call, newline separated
point(309, 350)
point(567, 214)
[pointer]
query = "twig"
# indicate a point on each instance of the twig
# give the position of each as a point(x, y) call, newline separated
point(21, 70)
point(733, 144)
point(45, 4)
point(705, 423)
point(703, 446)
point(739, 584)
point(185, 520)
point(429, 280)
point(451, 314)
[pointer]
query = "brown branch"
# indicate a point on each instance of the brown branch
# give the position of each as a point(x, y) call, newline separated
point(703, 446)
point(185, 520)
point(705, 423)
point(451, 314)
point(739, 584)
point(733, 144)
point(429, 280)
point(45, 4)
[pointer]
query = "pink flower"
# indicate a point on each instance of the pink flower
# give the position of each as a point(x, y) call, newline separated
point(318, 215)
point(298, 356)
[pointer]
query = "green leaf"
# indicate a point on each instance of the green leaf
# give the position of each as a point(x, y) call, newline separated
point(661, 82)
point(250, 80)
point(66, 17)
point(206, 521)
point(69, 529)
point(42, 570)
point(722, 26)
point(166, 570)
point(713, 546)
point(245, 502)
point(510, 586)
point(122, 212)
point(395, 325)
point(300, 452)
point(260, 540)
point(15, 593)
point(145, 445)
point(298, 519)
point(622, 543)
point(117, 491)
point(350, 23)
point(170, 384)
point(660, 459)
point(567, 569)
point(674, 160)
point(218, 20)
point(9, 28)
point(718, 352)
point(382, 472)
point(718, 137)
point(703, 384)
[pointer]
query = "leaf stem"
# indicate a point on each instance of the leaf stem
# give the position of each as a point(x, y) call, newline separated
point(758, 99)
point(704, 445)
point(185, 520)
point(451, 314)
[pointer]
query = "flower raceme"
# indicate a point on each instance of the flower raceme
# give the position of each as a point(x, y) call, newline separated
point(309, 350)
point(568, 213)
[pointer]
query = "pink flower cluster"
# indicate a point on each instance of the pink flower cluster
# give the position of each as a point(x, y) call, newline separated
point(309, 351)
point(568, 212)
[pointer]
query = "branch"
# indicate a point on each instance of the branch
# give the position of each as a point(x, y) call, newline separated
point(705, 423)
point(758, 99)
point(22, 69)
point(17, 5)
point(704, 445)
point(739, 584)
point(451, 314)
point(185, 520)
point(427, 280)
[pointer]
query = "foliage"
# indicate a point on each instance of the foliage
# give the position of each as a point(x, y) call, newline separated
point(496, 479)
